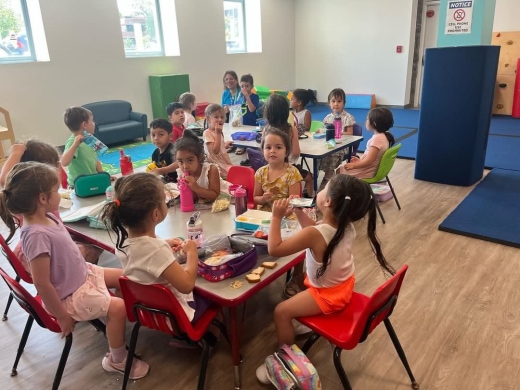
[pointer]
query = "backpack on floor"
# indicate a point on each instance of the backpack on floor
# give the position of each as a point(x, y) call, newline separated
point(290, 369)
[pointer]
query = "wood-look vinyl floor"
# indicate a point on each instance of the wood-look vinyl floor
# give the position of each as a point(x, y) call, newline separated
point(458, 317)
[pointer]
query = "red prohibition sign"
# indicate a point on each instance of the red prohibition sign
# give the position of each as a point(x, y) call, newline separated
point(459, 15)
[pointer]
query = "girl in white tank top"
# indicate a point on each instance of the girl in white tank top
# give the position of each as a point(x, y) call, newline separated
point(328, 250)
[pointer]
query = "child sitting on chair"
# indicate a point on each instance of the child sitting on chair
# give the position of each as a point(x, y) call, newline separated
point(78, 156)
point(160, 133)
point(214, 144)
point(175, 112)
point(379, 120)
point(189, 102)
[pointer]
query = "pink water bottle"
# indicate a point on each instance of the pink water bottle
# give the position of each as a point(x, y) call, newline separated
point(125, 162)
point(337, 126)
point(186, 194)
point(240, 201)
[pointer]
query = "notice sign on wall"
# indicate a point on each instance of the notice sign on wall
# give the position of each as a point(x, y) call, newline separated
point(458, 17)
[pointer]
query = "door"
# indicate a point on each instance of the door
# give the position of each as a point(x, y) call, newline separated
point(428, 39)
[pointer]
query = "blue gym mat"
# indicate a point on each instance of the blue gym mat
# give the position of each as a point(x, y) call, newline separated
point(504, 125)
point(503, 152)
point(491, 211)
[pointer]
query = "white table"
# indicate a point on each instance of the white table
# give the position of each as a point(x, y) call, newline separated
point(220, 292)
point(312, 148)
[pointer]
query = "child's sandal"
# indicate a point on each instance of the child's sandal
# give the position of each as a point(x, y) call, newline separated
point(240, 151)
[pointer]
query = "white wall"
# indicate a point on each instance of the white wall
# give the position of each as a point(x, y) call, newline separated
point(87, 61)
point(507, 15)
point(352, 44)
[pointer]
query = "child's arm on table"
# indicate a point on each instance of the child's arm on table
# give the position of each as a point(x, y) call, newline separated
point(41, 274)
point(99, 169)
point(183, 278)
point(167, 169)
point(348, 130)
point(261, 197)
point(305, 238)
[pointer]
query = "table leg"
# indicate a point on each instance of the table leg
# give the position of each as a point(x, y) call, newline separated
point(235, 346)
point(315, 173)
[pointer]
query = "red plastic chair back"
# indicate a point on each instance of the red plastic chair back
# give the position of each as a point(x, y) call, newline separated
point(245, 176)
point(15, 262)
point(64, 178)
point(155, 298)
point(380, 305)
point(30, 304)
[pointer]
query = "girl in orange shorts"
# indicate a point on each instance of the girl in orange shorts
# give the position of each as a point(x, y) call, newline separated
point(328, 252)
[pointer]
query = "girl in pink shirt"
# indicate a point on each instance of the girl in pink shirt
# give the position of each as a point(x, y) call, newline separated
point(379, 120)
point(71, 289)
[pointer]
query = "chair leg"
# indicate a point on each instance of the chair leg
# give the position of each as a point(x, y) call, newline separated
point(400, 352)
point(63, 362)
point(310, 342)
point(9, 301)
point(130, 354)
point(203, 365)
point(220, 325)
point(339, 369)
point(100, 326)
point(377, 204)
point(21, 347)
point(393, 193)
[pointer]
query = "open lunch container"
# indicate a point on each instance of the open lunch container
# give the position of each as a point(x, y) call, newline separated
point(251, 219)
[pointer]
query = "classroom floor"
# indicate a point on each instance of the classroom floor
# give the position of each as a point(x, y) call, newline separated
point(458, 317)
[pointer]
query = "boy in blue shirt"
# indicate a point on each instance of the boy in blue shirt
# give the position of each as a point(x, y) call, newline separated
point(251, 100)
point(249, 106)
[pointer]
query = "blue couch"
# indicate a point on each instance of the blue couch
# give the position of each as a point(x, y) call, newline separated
point(116, 122)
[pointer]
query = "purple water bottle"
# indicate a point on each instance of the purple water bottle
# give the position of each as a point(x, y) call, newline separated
point(338, 128)
point(240, 201)
point(186, 194)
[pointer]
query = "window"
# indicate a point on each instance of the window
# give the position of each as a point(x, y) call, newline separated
point(243, 26)
point(16, 44)
point(234, 21)
point(141, 27)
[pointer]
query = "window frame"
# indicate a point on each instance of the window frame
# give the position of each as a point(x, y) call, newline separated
point(29, 36)
point(244, 27)
point(144, 54)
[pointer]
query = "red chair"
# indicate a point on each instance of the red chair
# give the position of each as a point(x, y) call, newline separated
point(33, 306)
point(21, 273)
point(245, 176)
point(154, 306)
point(347, 328)
point(63, 178)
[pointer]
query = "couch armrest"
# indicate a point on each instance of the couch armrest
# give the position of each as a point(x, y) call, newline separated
point(140, 117)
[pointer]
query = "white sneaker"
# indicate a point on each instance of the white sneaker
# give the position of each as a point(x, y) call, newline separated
point(261, 375)
point(139, 368)
point(300, 329)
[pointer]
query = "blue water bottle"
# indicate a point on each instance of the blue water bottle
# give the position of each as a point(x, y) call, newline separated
point(96, 145)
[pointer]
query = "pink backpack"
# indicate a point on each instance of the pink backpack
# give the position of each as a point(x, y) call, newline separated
point(290, 369)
